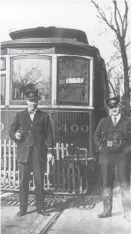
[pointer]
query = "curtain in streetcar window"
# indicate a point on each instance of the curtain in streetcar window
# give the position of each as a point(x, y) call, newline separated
point(31, 73)
point(73, 80)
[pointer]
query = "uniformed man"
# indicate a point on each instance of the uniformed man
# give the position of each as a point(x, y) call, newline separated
point(113, 140)
point(32, 132)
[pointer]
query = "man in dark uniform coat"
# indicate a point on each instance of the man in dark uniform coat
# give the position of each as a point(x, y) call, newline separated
point(113, 140)
point(32, 132)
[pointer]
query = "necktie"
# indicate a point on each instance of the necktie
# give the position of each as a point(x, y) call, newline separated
point(31, 112)
point(115, 121)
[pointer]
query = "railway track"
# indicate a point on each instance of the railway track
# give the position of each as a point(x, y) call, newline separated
point(47, 229)
point(55, 204)
point(32, 222)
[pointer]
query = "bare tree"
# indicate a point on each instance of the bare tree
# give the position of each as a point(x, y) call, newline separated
point(118, 23)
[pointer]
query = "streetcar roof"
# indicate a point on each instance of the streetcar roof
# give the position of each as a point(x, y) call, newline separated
point(50, 32)
point(49, 36)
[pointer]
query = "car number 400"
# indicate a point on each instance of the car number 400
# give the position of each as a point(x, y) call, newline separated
point(74, 128)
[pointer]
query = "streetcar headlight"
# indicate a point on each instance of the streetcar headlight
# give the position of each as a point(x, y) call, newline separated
point(2, 64)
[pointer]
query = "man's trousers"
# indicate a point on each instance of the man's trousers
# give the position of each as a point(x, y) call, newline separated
point(112, 162)
point(25, 170)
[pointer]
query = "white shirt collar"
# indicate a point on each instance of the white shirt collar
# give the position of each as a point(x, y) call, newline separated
point(32, 114)
point(115, 119)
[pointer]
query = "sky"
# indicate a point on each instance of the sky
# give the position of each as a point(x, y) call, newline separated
point(77, 14)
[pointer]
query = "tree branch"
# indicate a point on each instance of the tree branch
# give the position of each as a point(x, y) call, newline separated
point(115, 17)
point(103, 17)
point(129, 67)
point(119, 26)
point(125, 23)
point(128, 44)
point(119, 12)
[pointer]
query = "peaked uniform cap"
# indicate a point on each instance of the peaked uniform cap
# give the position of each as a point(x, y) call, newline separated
point(113, 101)
point(32, 94)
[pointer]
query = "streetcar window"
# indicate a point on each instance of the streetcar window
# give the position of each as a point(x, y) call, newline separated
point(73, 80)
point(2, 90)
point(31, 72)
point(2, 64)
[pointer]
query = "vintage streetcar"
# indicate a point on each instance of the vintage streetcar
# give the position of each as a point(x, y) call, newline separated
point(71, 78)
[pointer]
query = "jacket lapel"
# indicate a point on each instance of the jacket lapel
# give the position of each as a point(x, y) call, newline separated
point(27, 116)
point(121, 119)
point(37, 115)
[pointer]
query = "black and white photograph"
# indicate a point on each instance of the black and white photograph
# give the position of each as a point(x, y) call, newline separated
point(65, 116)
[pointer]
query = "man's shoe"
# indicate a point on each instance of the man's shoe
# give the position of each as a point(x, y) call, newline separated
point(21, 213)
point(127, 216)
point(43, 212)
point(105, 214)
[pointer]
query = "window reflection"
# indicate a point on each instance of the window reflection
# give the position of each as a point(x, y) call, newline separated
point(2, 89)
point(31, 72)
point(2, 64)
point(73, 79)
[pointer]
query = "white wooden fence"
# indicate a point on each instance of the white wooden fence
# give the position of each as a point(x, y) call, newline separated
point(65, 179)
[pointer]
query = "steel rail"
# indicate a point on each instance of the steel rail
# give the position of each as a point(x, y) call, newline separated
point(48, 227)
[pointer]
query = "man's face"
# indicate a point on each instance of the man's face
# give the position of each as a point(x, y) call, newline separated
point(32, 104)
point(115, 110)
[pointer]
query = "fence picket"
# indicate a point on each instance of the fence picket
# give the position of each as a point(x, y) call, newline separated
point(68, 169)
point(62, 166)
point(73, 174)
point(9, 162)
point(68, 174)
point(5, 160)
point(58, 166)
point(66, 149)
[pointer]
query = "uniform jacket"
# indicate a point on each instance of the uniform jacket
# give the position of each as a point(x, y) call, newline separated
point(37, 132)
point(105, 132)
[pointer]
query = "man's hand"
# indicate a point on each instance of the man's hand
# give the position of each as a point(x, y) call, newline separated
point(50, 157)
point(18, 135)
